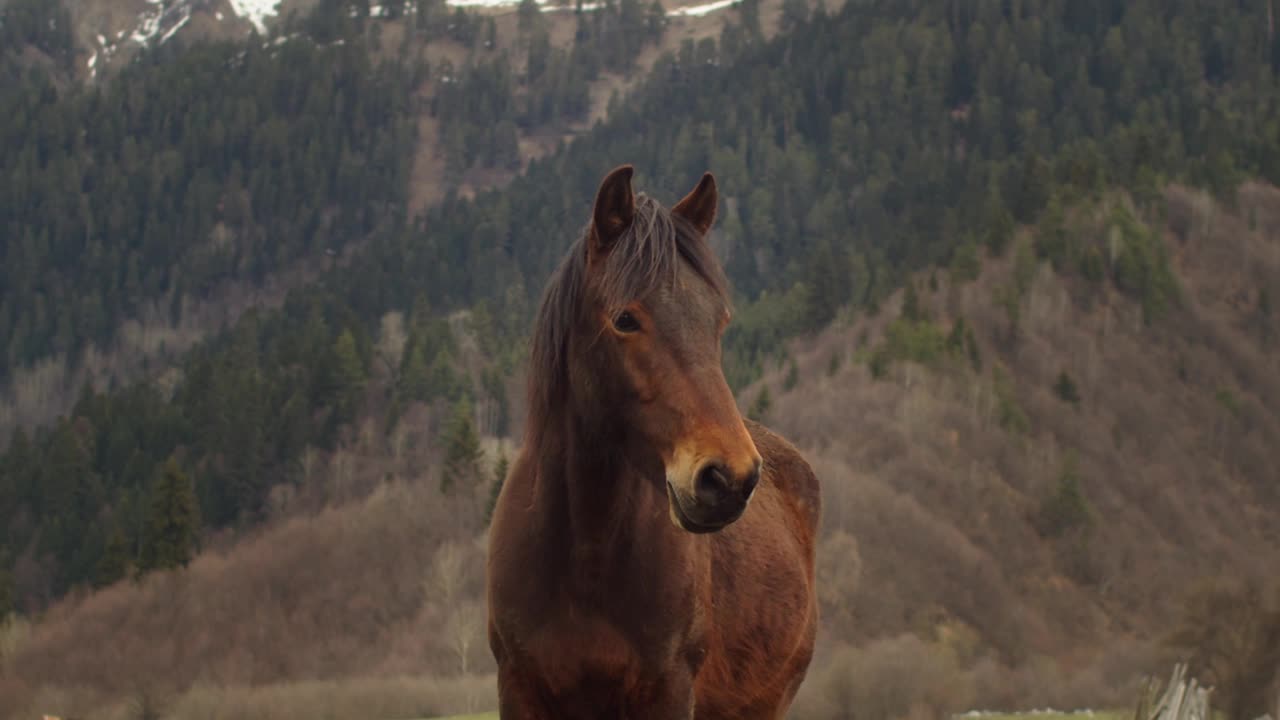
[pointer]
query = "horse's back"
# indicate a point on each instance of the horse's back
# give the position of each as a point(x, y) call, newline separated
point(787, 471)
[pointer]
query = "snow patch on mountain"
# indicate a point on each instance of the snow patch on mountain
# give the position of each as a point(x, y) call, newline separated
point(700, 10)
point(256, 11)
point(690, 11)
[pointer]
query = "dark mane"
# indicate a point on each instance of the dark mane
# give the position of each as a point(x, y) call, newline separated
point(644, 257)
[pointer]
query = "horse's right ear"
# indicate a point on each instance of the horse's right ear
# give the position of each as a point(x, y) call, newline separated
point(614, 210)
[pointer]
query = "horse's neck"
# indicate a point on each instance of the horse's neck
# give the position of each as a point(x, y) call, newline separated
point(615, 526)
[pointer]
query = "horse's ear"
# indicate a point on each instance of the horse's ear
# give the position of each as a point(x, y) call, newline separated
point(699, 206)
point(615, 209)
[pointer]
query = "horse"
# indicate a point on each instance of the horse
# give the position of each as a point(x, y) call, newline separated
point(651, 553)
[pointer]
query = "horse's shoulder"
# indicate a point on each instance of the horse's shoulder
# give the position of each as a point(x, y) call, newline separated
point(787, 469)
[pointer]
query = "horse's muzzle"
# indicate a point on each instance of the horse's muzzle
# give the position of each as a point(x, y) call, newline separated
point(704, 513)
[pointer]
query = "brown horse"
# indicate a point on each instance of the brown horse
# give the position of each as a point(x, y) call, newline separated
point(627, 577)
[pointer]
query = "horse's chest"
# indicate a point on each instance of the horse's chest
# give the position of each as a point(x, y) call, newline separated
point(584, 658)
point(582, 643)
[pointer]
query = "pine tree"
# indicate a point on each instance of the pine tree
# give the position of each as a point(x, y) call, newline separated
point(1067, 507)
point(173, 522)
point(911, 311)
point(955, 340)
point(114, 563)
point(6, 588)
point(997, 222)
point(415, 383)
point(1034, 188)
point(1052, 239)
point(528, 16)
point(463, 455)
point(966, 264)
point(500, 470)
point(971, 346)
point(878, 363)
point(793, 376)
point(442, 380)
point(828, 276)
point(760, 408)
point(347, 375)
point(490, 34)
point(1262, 317)
point(1066, 390)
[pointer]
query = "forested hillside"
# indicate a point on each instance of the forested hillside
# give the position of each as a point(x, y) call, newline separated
point(861, 145)
point(851, 149)
point(196, 166)
point(157, 201)
point(1023, 472)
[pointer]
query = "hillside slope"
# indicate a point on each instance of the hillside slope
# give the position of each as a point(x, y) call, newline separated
point(1064, 490)
point(835, 185)
point(943, 464)
point(136, 274)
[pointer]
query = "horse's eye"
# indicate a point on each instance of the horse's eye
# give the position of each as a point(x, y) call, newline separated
point(626, 323)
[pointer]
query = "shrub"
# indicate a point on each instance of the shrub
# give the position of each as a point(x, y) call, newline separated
point(890, 678)
point(1066, 508)
point(373, 697)
point(1092, 266)
point(961, 343)
point(1065, 389)
point(966, 264)
point(1009, 412)
point(839, 568)
point(1141, 265)
point(13, 633)
point(760, 408)
point(833, 366)
point(1231, 634)
point(793, 376)
point(921, 341)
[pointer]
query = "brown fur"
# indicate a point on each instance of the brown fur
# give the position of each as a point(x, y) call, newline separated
point(601, 604)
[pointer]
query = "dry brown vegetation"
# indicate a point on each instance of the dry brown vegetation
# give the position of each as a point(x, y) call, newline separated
point(383, 587)
point(941, 586)
point(1174, 443)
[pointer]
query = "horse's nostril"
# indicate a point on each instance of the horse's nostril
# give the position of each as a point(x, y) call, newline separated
point(750, 481)
point(712, 484)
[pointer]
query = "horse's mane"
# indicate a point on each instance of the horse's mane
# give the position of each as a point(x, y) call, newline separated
point(642, 258)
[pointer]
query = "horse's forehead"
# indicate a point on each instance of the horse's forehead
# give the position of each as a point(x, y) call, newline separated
point(688, 301)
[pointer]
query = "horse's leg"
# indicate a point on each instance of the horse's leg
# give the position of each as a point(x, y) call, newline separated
point(518, 697)
point(672, 699)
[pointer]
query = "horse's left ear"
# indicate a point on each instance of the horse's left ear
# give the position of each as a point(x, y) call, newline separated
point(614, 210)
point(699, 206)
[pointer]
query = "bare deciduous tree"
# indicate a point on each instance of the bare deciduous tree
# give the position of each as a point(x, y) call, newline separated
point(839, 567)
point(465, 629)
point(448, 575)
point(391, 341)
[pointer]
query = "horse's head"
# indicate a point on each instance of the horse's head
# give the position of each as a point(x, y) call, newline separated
point(655, 299)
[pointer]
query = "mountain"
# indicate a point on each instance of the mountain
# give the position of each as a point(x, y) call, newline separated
point(387, 106)
point(261, 196)
point(1037, 538)
point(1088, 151)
